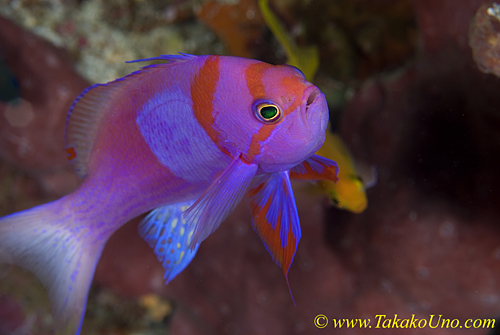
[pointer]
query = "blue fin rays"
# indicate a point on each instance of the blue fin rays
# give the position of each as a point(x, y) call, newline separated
point(181, 57)
point(166, 231)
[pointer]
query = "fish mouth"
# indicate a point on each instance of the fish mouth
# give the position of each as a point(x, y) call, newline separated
point(309, 101)
point(312, 118)
point(313, 101)
point(311, 93)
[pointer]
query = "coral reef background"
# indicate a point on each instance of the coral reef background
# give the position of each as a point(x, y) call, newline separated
point(407, 96)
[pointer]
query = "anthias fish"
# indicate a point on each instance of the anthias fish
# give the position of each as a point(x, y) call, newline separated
point(186, 140)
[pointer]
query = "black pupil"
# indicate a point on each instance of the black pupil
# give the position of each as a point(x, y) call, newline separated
point(268, 112)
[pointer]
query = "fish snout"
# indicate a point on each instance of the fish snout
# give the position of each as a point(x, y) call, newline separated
point(316, 108)
point(311, 93)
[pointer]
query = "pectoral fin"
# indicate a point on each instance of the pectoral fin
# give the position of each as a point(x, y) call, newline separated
point(219, 200)
point(316, 168)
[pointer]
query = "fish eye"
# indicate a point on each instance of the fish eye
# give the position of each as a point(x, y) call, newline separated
point(334, 201)
point(267, 112)
point(356, 178)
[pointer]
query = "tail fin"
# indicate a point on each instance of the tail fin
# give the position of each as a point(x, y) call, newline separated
point(62, 254)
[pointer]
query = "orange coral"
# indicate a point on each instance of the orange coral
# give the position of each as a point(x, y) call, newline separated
point(236, 24)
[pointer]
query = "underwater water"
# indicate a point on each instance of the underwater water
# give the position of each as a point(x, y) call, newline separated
point(413, 93)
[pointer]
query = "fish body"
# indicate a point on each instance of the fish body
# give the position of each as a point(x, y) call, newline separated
point(186, 140)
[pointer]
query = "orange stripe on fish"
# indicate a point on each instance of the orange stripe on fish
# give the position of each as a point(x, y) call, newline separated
point(71, 153)
point(253, 75)
point(256, 143)
point(294, 89)
point(203, 90)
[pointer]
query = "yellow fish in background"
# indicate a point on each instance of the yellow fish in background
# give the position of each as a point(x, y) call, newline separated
point(349, 191)
point(304, 58)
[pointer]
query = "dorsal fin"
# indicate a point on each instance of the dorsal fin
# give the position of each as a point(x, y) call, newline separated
point(89, 108)
point(171, 59)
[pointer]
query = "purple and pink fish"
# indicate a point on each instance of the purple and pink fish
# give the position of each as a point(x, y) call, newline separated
point(186, 140)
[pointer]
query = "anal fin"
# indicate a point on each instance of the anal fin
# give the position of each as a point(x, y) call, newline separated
point(275, 218)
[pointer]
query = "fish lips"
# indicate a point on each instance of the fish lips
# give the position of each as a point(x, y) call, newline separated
point(314, 109)
point(313, 114)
